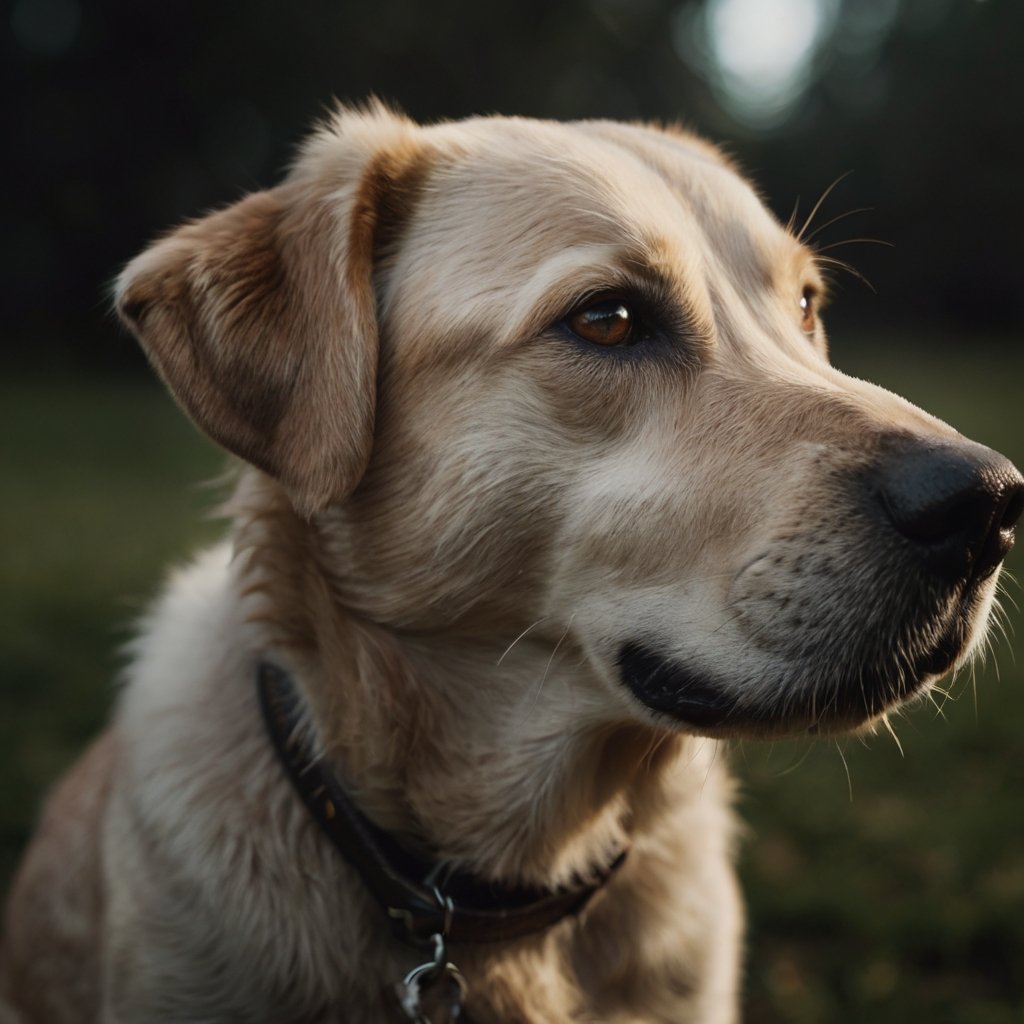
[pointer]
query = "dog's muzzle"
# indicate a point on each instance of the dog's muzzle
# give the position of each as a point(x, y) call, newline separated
point(941, 517)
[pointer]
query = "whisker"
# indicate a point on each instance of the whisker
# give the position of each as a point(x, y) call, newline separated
point(835, 220)
point(846, 768)
point(974, 689)
point(727, 622)
point(995, 661)
point(793, 767)
point(1000, 622)
point(817, 205)
point(856, 241)
point(711, 765)
point(939, 712)
point(831, 261)
point(655, 743)
point(792, 217)
point(547, 669)
point(892, 733)
point(517, 639)
point(1003, 592)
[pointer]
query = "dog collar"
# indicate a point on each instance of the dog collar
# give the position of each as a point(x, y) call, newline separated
point(421, 897)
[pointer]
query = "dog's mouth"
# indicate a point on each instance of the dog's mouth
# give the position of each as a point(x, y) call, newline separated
point(820, 698)
point(672, 689)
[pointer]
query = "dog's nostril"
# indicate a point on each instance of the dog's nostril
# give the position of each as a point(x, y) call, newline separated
point(1014, 509)
point(927, 521)
point(957, 502)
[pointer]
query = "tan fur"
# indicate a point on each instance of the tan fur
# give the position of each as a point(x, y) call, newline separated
point(453, 517)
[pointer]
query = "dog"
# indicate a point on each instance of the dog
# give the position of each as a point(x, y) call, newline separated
point(549, 488)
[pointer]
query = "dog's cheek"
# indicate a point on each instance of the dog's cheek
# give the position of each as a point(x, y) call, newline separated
point(455, 519)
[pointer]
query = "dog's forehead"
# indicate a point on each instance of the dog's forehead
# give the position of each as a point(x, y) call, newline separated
point(513, 209)
point(614, 181)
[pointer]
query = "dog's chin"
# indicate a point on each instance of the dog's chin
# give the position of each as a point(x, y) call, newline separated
point(819, 699)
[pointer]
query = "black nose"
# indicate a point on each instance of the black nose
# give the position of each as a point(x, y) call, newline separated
point(957, 501)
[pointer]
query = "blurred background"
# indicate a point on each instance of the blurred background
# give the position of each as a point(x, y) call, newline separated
point(884, 884)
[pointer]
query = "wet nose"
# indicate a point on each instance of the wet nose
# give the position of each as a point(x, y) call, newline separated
point(958, 502)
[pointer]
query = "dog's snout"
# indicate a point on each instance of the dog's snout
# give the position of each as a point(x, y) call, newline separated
point(958, 502)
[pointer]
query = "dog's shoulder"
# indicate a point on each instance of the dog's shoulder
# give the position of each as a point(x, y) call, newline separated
point(55, 912)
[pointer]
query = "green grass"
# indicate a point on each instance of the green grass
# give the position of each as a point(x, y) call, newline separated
point(883, 886)
point(100, 494)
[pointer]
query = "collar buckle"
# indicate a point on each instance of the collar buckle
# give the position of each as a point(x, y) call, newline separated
point(422, 920)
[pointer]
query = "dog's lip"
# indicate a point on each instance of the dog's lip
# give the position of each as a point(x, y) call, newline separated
point(673, 689)
point(669, 687)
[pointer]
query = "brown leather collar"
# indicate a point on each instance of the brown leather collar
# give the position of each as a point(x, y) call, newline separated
point(419, 895)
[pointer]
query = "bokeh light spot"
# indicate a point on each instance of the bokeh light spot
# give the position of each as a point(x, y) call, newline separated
point(759, 55)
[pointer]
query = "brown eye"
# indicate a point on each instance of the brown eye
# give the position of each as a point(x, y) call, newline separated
point(808, 311)
point(609, 322)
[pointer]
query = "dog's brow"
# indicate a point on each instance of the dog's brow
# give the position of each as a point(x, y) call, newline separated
point(575, 274)
point(800, 266)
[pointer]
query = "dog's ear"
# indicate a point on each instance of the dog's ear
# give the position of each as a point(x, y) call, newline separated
point(261, 318)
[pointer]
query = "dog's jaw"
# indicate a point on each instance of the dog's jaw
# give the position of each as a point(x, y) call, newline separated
point(465, 785)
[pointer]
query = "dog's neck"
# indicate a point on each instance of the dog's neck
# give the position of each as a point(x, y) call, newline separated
point(451, 745)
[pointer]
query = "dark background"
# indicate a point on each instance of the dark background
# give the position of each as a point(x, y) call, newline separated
point(884, 885)
point(125, 117)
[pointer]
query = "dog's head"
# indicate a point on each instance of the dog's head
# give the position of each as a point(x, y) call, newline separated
point(571, 380)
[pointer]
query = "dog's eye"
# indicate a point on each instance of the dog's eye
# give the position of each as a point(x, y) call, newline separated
point(607, 322)
point(808, 310)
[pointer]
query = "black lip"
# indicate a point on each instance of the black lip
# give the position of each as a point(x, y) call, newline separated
point(668, 687)
point(672, 689)
point(874, 684)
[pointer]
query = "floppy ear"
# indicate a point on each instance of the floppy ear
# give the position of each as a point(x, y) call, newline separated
point(261, 320)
